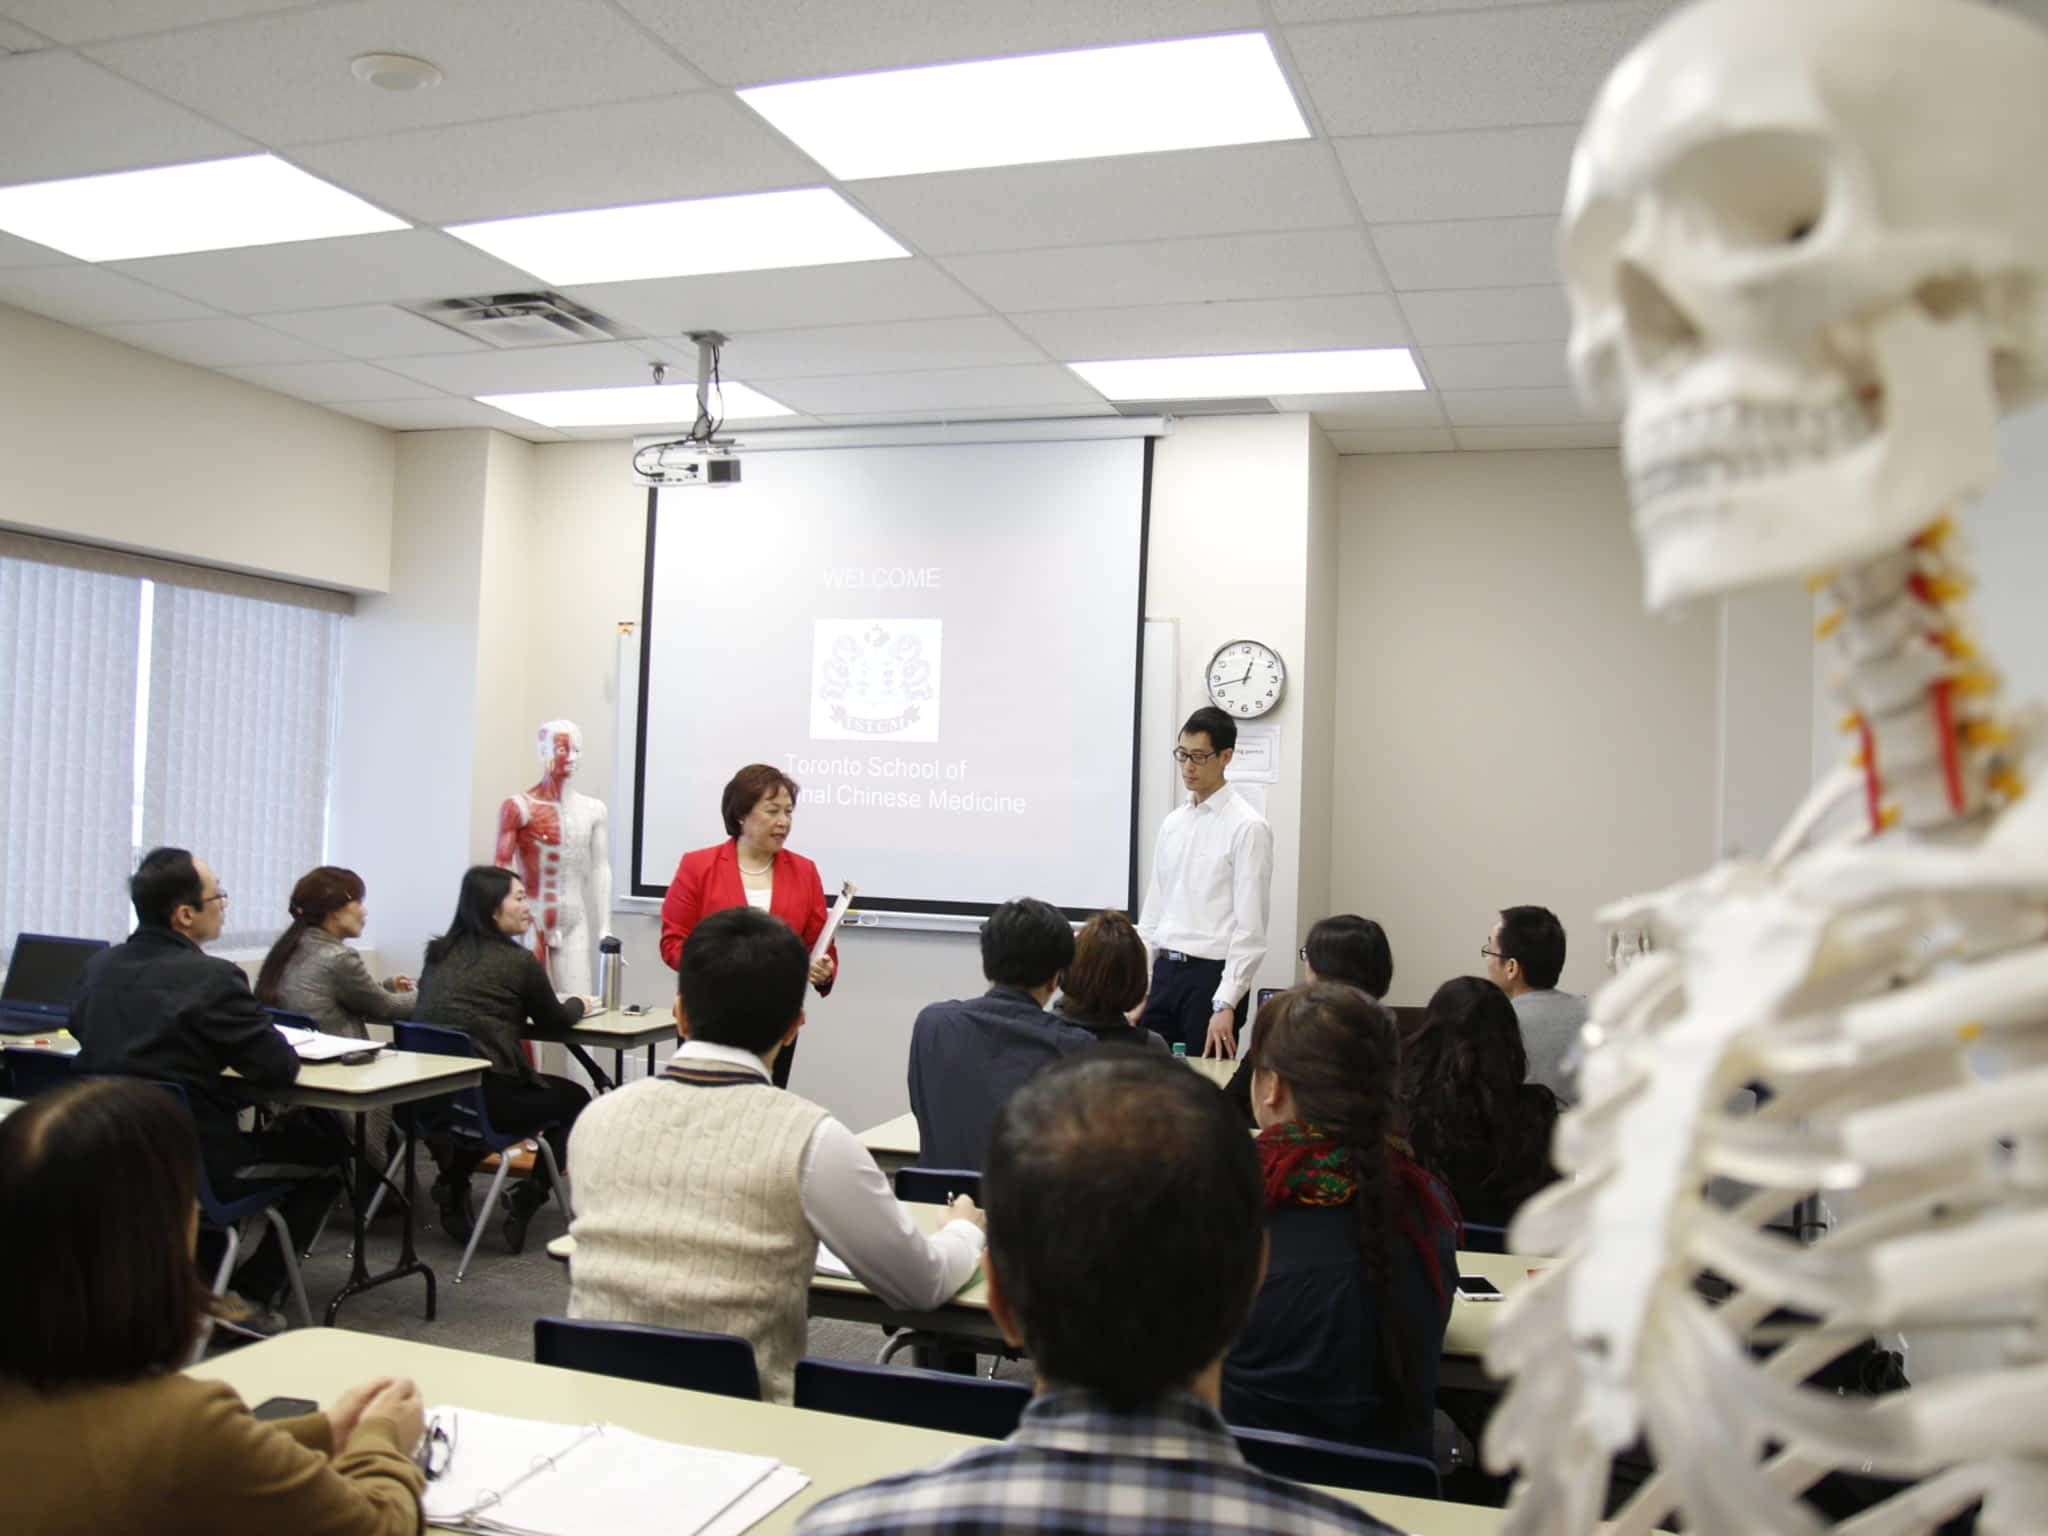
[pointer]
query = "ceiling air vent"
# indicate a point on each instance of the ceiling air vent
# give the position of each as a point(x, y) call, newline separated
point(520, 319)
point(1251, 406)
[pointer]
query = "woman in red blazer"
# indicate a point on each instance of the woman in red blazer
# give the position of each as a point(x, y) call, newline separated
point(752, 868)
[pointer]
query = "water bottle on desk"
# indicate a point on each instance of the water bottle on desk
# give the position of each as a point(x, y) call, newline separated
point(609, 964)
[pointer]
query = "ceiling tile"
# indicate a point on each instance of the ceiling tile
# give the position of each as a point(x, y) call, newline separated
point(1400, 408)
point(1394, 440)
point(15, 38)
point(701, 145)
point(939, 391)
point(17, 252)
point(580, 365)
point(85, 295)
point(1132, 197)
point(1195, 271)
point(935, 418)
point(404, 265)
point(284, 78)
point(1490, 173)
point(442, 413)
point(1468, 69)
point(972, 341)
point(753, 42)
point(1509, 365)
point(1470, 253)
point(61, 116)
point(93, 21)
point(218, 342)
point(1515, 407)
point(739, 302)
point(373, 330)
point(1591, 435)
point(1184, 330)
point(1457, 317)
point(325, 383)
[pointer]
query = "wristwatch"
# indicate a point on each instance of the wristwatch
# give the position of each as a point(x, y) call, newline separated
point(1219, 1005)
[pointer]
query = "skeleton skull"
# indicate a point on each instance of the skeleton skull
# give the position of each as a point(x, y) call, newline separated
point(1807, 256)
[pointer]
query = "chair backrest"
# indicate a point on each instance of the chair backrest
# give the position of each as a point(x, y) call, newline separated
point(937, 1186)
point(1480, 1238)
point(462, 1113)
point(965, 1405)
point(291, 1018)
point(668, 1357)
point(1334, 1464)
point(30, 1071)
point(213, 1210)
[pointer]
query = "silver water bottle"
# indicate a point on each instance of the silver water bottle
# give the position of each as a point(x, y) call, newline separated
point(610, 963)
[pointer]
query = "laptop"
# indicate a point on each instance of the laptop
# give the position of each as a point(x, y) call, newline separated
point(39, 979)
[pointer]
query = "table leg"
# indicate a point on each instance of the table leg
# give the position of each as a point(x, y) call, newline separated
point(604, 1084)
point(619, 1064)
point(359, 1276)
point(650, 1058)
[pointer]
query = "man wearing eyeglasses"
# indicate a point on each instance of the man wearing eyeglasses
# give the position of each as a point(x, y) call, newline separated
point(1206, 905)
point(1524, 957)
point(159, 1007)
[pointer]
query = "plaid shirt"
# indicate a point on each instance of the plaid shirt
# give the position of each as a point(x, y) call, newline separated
point(1077, 1468)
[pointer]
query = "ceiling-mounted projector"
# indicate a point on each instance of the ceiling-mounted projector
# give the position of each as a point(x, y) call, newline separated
point(684, 461)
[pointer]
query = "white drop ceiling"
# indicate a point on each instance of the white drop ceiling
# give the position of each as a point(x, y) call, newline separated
point(1420, 213)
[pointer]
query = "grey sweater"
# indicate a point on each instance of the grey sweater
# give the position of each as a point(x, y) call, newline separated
point(1550, 1034)
point(489, 989)
point(328, 980)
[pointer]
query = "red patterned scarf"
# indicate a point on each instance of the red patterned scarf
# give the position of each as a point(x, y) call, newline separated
point(1303, 1166)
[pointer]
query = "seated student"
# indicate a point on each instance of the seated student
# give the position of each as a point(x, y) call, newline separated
point(968, 1057)
point(157, 1007)
point(1125, 1288)
point(99, 1430)
point(1105, 980)
point(1345, 948)
point(1343, 1340)
point(1470, 1115)
point(1524, 956)
point(480, 979)
point(312, 970)
point(702, 1194)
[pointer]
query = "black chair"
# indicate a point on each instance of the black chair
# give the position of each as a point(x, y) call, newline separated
point(1480, 1238)
point(965, 1405)
point(667, 1357)
point(30, 1071)
point(1334, 1464)
point(936, 1186)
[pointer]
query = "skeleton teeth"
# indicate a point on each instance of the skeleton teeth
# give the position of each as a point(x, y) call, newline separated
point(1738, 440)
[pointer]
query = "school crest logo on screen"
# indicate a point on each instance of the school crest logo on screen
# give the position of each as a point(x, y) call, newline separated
point(875, 679)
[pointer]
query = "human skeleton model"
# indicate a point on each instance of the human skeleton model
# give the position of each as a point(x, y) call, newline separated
point(1807, 251)
point(557, 842)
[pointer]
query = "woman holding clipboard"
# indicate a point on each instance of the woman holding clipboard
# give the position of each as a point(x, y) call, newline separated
point(751, 868)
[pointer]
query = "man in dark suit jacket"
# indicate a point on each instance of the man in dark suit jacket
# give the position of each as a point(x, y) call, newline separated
point(968, 1057)
point(158, 1007)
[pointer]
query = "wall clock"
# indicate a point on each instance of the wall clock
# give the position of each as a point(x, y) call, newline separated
point(1246, 678)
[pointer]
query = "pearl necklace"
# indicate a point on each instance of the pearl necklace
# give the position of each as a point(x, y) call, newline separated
point(767, 868)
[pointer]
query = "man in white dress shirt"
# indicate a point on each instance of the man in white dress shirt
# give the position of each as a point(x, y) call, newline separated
point(702, 1194)
point(1205, 911)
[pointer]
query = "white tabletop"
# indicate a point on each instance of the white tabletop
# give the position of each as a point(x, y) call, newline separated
point(389, 1077)
point(620, 1031)
point(834, 1451)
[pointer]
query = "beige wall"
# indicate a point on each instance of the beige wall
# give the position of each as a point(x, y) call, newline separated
point(1510, 727)
point(107, 445)
point(1314, 689)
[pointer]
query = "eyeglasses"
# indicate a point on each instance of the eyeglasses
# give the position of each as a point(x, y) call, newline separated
point(219, 896)
point(1491, 954)
point(1304, 954)
point(438, 1449)
point(1183, 755)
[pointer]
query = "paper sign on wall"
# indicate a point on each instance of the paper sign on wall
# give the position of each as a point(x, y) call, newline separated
point(1257, 759)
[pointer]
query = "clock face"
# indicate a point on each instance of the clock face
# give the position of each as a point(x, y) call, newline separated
point(1246, 678)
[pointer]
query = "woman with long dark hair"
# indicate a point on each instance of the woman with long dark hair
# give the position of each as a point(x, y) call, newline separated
point(1343, 1338)
point(1473, 1121)
point(99, 1428)
point(480, 979)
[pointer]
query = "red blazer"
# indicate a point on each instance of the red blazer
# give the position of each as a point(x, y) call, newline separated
point(708, 880)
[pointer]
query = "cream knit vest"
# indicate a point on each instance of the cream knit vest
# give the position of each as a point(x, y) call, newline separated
point(689, 1215)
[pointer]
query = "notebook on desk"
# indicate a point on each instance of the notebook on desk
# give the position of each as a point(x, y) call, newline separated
point(39, 978)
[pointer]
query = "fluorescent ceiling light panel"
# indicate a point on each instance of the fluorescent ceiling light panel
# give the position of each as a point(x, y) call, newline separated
point(636, 405)
point(1133, 100)
point(809, 227)
point(1370, 371)
point(214, 205)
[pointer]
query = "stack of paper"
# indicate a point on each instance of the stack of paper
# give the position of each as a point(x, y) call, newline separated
point(530, 1478)
point(315, 1045)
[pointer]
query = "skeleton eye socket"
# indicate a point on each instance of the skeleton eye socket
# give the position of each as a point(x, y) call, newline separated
point(1752, 191)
